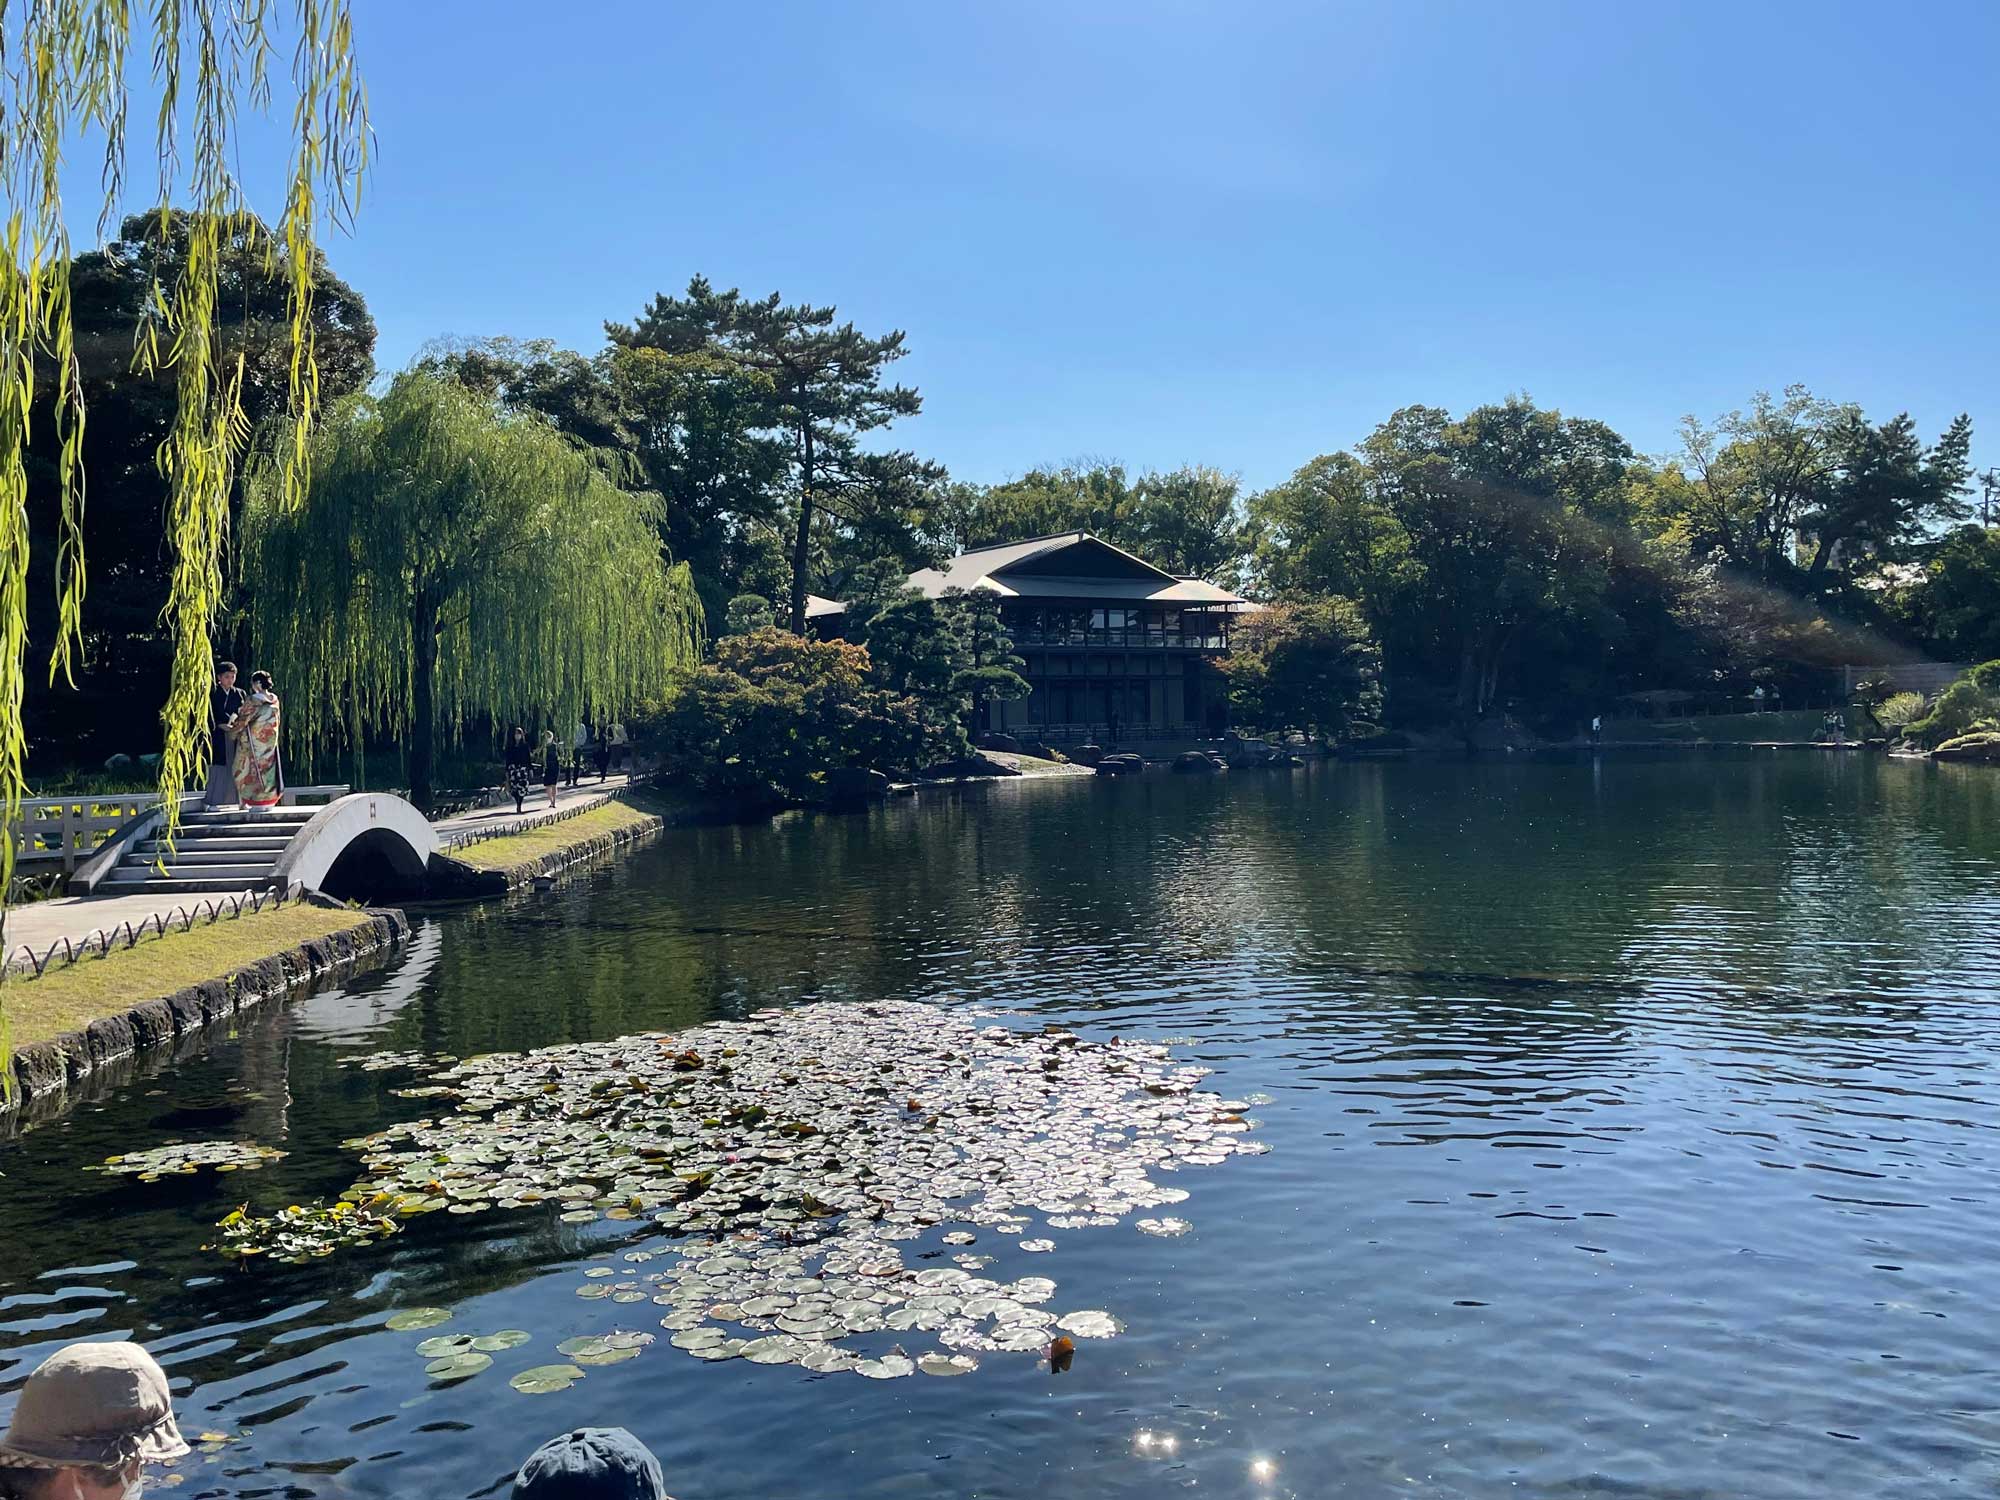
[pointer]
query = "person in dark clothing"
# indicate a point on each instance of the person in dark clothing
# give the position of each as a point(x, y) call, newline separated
point(600, 752)
point(225, 704)
point(520, 766)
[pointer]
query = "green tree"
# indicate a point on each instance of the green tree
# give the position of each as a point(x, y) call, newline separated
point(1795, 491)
point(124, 660)
point(825, 391)
point(685, 425)
point(1505, 514)
point(1189, 522)
point(747, 612)
point(991, 671)
point(64, 71)
point(1955, 606)
point(1305, 664)
point(450, 564)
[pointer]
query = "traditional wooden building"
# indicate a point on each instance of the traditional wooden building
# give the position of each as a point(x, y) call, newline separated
point(1114, 648)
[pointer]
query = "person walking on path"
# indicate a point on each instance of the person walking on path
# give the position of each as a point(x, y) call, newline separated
point(88, 1420)
point(592, 1463)
point(520, 766)
point(225, 702)
point(621, 748)
point(579, 748)
point(551, 765)
point(600, 754)
point(258, 768)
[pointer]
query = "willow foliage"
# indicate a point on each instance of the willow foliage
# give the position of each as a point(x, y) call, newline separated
point(451, 565)
point(63, 74)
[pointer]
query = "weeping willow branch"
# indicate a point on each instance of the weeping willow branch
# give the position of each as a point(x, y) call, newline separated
point(451, 566)
point(62, 76)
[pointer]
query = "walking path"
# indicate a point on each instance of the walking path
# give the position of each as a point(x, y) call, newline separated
point(38, 924)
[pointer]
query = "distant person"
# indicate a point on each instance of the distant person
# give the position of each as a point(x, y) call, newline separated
point(520, 765)
point(258, 767)
point(1757, 699)
point(600, 754)
point(89, 1419)
point(580, 739)
point(1597, 729)
point(551, 765)
point(1113, 727)
point(592, 1463)
point(225, 702)
point(621, 747)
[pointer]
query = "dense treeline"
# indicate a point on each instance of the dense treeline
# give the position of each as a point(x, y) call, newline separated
point(1509, 560)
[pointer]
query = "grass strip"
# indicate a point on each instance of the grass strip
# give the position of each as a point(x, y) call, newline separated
point(67, 997)
point(623, 812)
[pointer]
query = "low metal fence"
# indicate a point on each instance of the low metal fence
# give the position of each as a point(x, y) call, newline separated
point(213, 909)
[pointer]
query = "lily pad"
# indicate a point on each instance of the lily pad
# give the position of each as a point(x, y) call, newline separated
point(543, 1379)
point(947, 1364)
point(417, 1317)
point(1091, 1325)
point(458, 1366)
point(506, 1338)
point(442, 1344)
point(1165, 1228)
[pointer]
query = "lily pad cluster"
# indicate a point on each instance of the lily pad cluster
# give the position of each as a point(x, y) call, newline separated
point(302, 1232)
point(185, 1158)
point(790, 1160)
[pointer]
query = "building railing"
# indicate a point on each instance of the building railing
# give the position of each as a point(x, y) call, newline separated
point(1125, 640)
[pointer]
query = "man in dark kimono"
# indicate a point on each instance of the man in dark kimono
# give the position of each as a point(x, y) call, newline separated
point(225, 701)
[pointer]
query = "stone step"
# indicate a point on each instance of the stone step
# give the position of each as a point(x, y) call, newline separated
point(229, 876)
point(294, 816)
point(259, 843)
point(157, 885)
point(263, 856)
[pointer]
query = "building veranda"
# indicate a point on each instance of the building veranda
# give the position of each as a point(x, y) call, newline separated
point(1113, 647)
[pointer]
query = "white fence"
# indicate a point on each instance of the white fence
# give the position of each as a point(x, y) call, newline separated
point(65, 831)
point(1926, 677)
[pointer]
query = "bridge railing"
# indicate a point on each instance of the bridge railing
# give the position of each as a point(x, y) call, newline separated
point(62, 832)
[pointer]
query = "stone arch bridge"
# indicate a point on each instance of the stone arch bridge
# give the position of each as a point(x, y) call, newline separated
point(370, 845)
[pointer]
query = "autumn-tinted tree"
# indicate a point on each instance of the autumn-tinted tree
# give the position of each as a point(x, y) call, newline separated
point(777, 711)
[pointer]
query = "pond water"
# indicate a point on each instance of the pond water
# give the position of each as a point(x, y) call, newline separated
point(1634, 1130)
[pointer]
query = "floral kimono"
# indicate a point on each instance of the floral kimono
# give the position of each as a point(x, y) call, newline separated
point(260, 780)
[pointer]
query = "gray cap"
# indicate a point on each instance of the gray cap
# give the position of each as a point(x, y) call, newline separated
point(97, 1404)
point(592, 1463)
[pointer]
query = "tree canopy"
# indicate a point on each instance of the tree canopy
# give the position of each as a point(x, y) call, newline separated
point(452, 567)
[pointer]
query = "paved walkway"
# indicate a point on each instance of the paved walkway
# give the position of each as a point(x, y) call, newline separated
point(37, 924)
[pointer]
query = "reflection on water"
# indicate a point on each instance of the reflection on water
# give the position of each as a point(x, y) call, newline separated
point(1634, 1131)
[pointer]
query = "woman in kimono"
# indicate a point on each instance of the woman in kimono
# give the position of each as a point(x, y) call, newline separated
point(260, 778)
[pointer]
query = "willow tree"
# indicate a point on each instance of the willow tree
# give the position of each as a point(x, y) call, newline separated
point(451, 564)
point(64, 71)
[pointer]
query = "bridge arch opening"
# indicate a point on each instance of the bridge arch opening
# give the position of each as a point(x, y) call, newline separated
point(378, 864)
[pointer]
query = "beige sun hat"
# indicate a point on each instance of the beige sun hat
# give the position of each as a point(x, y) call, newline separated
point(102, 1404)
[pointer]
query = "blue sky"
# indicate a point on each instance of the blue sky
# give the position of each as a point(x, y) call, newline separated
point(1236, 234)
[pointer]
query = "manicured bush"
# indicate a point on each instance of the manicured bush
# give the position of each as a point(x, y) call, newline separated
point(777, 712)
point(1961, 708)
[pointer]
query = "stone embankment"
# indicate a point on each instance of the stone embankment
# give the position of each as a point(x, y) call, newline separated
point(48, 1068)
